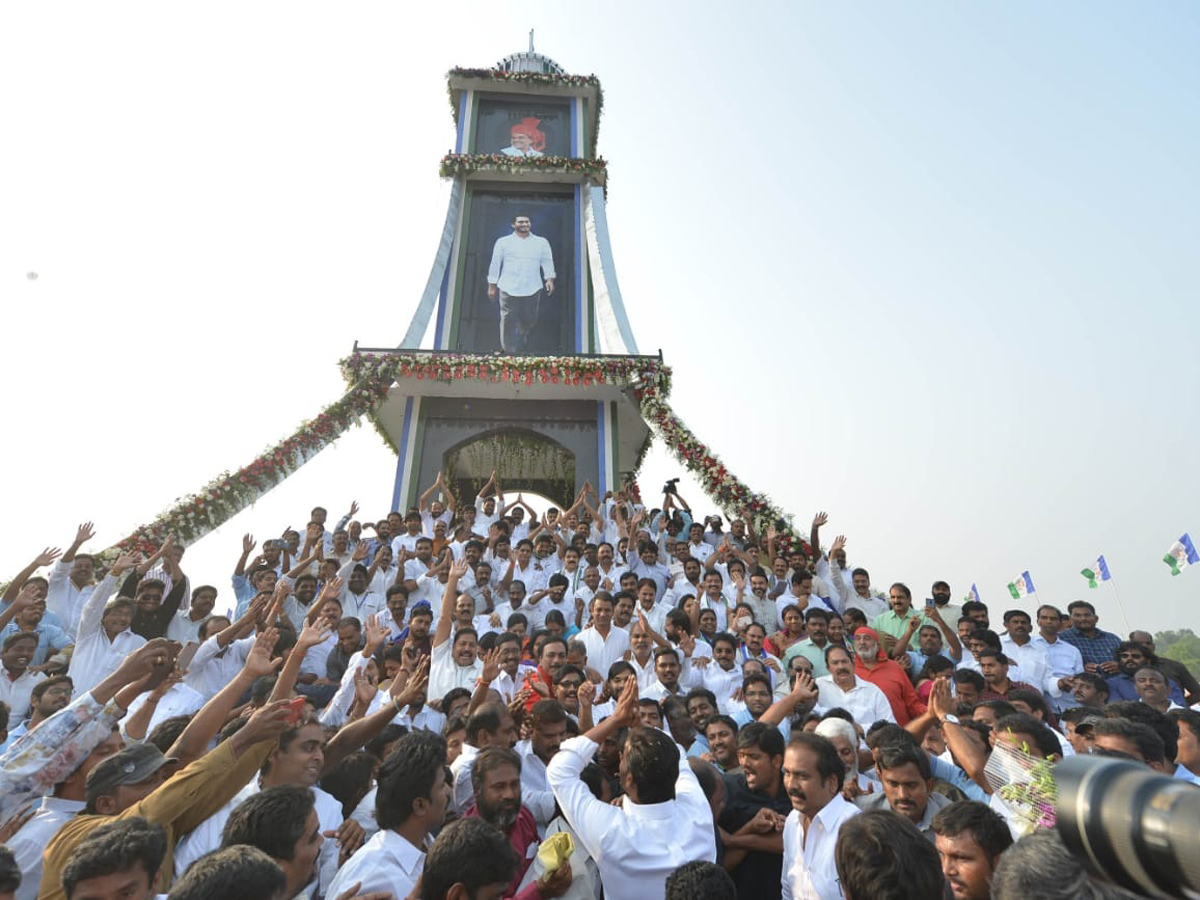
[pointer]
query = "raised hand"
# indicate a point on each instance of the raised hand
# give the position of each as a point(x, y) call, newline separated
point(267, 723)
point(258, 661)
point(940, 701)
point(459, 569)
point(84, 533)
point(407, 693)
point(626, 711)
point(312, 634)
point(820, 519)
point(804, 689)
point(376, 633)
point(360, 552)
point(364, 689)
point(839, 543)
point(491, 665)
point(149, 659)
point(47, 556)
point(353, 508)
point(333, 588)
point(248, 544)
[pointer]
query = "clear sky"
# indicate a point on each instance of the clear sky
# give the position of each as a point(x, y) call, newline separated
point(928, 266)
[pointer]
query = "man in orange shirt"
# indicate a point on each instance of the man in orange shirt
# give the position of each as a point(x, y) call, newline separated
point(872, 664)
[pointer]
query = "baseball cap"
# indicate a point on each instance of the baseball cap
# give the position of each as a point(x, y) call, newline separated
point(132, 765)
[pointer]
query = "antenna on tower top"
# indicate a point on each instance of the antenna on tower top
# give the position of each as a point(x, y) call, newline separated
point(530, 40)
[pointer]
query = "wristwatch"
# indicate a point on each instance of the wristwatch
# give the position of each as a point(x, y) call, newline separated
point(952, 719)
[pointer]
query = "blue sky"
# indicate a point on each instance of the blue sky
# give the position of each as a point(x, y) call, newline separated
point(927, 266)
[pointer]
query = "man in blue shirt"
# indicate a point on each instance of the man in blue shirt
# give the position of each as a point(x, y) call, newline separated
point(1098, 648)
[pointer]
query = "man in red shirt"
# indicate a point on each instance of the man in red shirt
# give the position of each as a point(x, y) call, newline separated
point(496, 777)
point(872, 664)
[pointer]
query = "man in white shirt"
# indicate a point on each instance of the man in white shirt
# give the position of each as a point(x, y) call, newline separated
point(104, 638)
point(840, 688)
point(812, 776)
point(184, 627)
point(1065, 660)
point(605, 643)
point(522, 265)
point(664, 821)
point(71, 582)
point(1023, 652)
point(453, 664)
point(491, 725)
point(411, 801)
point(16, 678)
point(549, 721)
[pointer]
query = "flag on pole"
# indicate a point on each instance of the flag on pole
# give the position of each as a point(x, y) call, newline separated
point(1021, 586)
point(1096, 572)
point(972, 595)
point(1181, 555)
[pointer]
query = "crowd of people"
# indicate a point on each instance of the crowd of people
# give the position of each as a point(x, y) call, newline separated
point(469, 700)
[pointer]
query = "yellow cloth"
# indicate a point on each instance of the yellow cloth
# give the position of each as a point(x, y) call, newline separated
point(555, 850)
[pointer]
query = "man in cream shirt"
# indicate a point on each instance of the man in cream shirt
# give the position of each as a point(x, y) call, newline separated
point(812, 777)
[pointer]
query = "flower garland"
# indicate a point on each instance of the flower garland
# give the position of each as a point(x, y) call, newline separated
point(371, 376)
point(462, 163)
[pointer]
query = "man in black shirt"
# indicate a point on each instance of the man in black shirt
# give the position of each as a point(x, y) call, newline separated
point(756, 806)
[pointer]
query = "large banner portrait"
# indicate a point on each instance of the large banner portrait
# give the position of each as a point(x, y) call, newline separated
point(523, 126)
point(518, 276)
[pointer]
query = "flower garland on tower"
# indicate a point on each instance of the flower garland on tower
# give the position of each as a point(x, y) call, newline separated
point(371, 375)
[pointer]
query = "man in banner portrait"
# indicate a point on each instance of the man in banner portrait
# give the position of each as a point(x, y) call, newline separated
point(527, 138)
point(522, 266)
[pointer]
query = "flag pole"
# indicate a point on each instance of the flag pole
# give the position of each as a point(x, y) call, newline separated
point(1120, 605)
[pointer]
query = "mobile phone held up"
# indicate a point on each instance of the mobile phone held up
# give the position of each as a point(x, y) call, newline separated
point(929, 603)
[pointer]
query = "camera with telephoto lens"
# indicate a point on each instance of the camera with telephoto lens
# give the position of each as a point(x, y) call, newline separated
point(1131, 826)
point(669, 487)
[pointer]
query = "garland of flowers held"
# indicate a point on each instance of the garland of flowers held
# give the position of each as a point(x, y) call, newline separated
point(463, 163)
point(371, 375)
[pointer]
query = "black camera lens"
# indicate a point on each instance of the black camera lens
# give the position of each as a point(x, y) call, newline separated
point(1132, 826)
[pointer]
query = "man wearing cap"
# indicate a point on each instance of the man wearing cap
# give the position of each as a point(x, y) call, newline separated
point(528, 139)
point(872, 664)
point(522, 265)
point(133, 783)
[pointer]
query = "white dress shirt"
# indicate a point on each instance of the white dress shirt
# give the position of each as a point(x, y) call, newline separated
point(317, 656)
point(520, 266)
point(637, 845)
point(1030, 659)
point(809, 872)
point(183, 630)
point(387, 863)
point(722, 683)
point(645, 673)
point(212, 668)
point(463, 791)
point(206, 837)
point(866, 702)
point(16, 692)
point(535, 789)
point(64, 599)
point(29, 843)
point(445, 674)
point(96, 657)
point(1065, 661)
point(604, 651)
point(179, 700)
